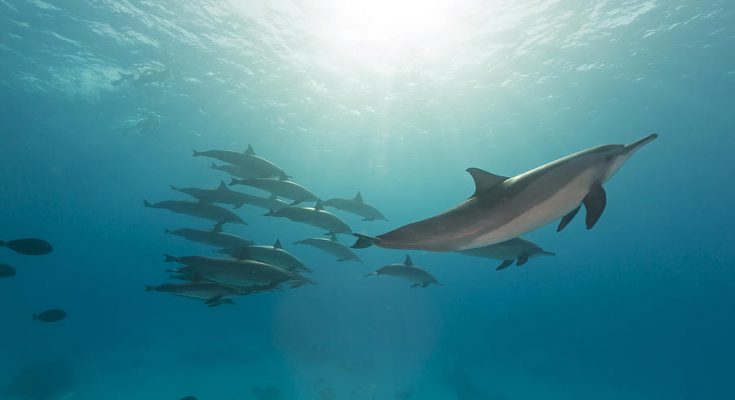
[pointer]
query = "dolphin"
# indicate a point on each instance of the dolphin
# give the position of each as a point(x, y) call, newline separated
point(503, 208)
point(274, 255)
point(213, 294)
point(409, 272)
point(203, 195)
point(212, 238)
point(238, 273)
point(224, 195)
point(235, 171)
point(206, 211)
point(287, 189)
point(333, 247)
point(247, 160)
point(356, 205)
point(314, 216)
point(517, 249)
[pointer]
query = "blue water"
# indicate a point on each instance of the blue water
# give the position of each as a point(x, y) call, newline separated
point(640, 307)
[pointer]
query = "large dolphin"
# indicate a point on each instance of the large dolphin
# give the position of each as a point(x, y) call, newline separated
point(516, 249)
point(356, 206)
point(503, 208)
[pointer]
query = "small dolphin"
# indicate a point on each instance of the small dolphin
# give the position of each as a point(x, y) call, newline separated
point(356, 206)
point(213, 294)
point(314, 216)
point(274, 255)
point(517, 249)
point(286, 189)
point(407, 271)
point(206, 211)
point(238, 273)
point(503, 208)
point(247, 160)
point(235, 171)
point(212, 238)
point(333, 247)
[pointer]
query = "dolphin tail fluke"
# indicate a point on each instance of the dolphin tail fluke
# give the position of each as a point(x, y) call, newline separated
point(214, 166)
point(196, 153)
point(370, 274)
point(364, 241)
point(148, 288)
point(170, 258)
point(270, 213)
point(505, 264)
point(35, 317)
point(146, 203)
point(2, 243)
point(174, 187)
point(218, 227)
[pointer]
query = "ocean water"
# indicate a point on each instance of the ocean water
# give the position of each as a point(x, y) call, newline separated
point(395, 100)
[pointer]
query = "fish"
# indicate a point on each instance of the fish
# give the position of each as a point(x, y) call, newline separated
point(52, 315)
point(314, 216)
point(357, 206)
point(239, 273)
point(28, 246)
point(517, 249)
point(333, 247)
point(409, 272)
point(212, 238)
point(6, 271)
point(213, 294)
point(274, 255)
point(503, 208)
point(201, 210)
point(247, 160)
point(286, 189)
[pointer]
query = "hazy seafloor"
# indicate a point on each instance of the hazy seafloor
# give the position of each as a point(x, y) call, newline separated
point(394, 100)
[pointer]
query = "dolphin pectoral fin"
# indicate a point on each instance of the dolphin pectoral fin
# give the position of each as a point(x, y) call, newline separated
point(364, 241)
point(522, 260)
point(505, 264)
point(213, 300)
point(217, 228)
point(594, 203)
point(567, 219)
point(416, 285)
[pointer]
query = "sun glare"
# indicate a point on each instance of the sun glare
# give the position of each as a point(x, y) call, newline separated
point(386, 31)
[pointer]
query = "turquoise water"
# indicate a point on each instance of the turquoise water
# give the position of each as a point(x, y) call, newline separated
point(394, 100)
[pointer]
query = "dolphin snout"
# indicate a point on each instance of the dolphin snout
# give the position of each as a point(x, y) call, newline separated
point(640, 143)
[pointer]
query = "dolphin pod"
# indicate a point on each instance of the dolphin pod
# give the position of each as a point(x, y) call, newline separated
point(504, 208)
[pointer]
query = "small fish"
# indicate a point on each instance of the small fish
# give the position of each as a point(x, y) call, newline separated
point(6, 271)
point(53, 315)
point(356, 205)
point(407, 271)
point(28, 246)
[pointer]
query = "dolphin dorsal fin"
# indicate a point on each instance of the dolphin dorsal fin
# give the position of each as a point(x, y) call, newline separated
point(249, 151)
point(358, 198)
point(277, 244)
point(333, 236)
point(319, 206)
point(408, 262)
point(222, 186)
point(484, 180)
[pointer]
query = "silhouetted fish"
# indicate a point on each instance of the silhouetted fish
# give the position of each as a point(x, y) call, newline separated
point(6, 271)
point(28, 246)
point(53, 315)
